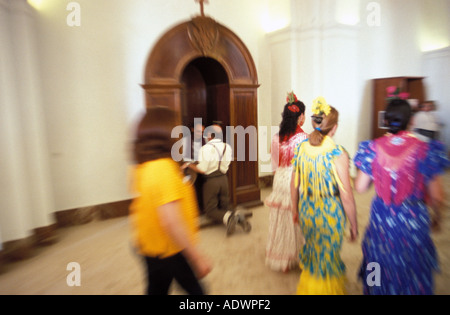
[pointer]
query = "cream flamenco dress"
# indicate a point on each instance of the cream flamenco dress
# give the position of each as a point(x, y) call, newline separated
point(284, 239)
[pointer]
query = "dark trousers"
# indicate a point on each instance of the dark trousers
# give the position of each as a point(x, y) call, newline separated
point(216, 197)
point(162, 271)
point(198, 185)
point(428, 133)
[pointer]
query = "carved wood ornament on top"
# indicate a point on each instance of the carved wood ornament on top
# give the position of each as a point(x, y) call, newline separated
point(203, 31)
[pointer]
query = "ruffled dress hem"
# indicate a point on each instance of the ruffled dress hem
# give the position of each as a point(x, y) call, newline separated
point(312, 285)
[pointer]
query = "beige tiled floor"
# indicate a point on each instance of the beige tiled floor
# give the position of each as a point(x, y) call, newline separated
point(109, 266)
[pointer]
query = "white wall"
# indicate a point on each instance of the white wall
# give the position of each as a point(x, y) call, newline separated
point(435, 42)
point(398, 47)
point(388, 49)
point(436, 67)
point(434, 31)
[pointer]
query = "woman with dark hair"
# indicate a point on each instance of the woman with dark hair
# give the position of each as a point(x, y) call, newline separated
point(284, 239)
point(322, 195)
point(164, 214)
point(397, 241)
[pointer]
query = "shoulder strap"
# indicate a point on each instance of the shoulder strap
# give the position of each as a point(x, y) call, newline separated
point(220, 155)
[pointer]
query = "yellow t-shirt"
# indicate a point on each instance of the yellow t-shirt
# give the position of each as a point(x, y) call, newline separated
point(157, 183)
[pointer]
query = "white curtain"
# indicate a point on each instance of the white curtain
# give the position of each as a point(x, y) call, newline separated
point(26, 199)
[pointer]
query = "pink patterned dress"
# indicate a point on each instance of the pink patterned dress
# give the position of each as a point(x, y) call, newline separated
point(284, 239)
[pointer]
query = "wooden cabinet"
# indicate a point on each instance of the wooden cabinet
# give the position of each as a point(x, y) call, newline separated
point(412, 85)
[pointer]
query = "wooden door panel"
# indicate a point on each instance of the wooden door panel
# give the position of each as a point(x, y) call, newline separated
point(245, 169)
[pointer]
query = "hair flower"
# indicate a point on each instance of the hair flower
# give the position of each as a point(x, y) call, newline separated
point(291, 98)
point(393, 92)
point(294, 109)
point(321, 107)
point(404, 95)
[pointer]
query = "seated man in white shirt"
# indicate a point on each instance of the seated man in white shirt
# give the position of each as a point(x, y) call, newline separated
point(213, 162)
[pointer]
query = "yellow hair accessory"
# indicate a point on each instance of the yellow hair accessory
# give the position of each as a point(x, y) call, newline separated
point(321, 107)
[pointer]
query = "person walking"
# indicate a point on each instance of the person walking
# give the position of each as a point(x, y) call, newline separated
point(164, 215)
point(424, 123)
point(322, 194)
point(284, 237)
point(398, 240)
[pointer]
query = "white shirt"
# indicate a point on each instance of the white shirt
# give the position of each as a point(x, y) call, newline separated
point(426, 121)
point(211, 154)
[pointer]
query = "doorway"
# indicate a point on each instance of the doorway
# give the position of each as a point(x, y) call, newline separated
point(205, 93)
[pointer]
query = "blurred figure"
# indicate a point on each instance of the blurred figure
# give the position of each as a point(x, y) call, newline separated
point(164, 215)
point(193, 144)
point(425, 123)
point(425, 126)
point(322, 195)
point(285, 239)
point(402, 168)
point(214, 160)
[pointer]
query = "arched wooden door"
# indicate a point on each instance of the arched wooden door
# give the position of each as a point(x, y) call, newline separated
point(199, 42)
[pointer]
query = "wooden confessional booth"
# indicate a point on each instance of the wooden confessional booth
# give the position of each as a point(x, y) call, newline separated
point(203, 70)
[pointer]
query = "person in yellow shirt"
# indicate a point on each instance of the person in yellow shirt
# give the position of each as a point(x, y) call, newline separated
point(164, 214)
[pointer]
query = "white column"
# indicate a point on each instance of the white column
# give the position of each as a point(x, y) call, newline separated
point(33, 120)
point(26, 201)
point(341, 81)
point(327, 58)
point(14, 219)
point(309, 19)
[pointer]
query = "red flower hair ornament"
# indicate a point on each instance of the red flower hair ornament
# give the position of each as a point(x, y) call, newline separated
point(291, 99)
point(393, 92)
point(294, 108)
